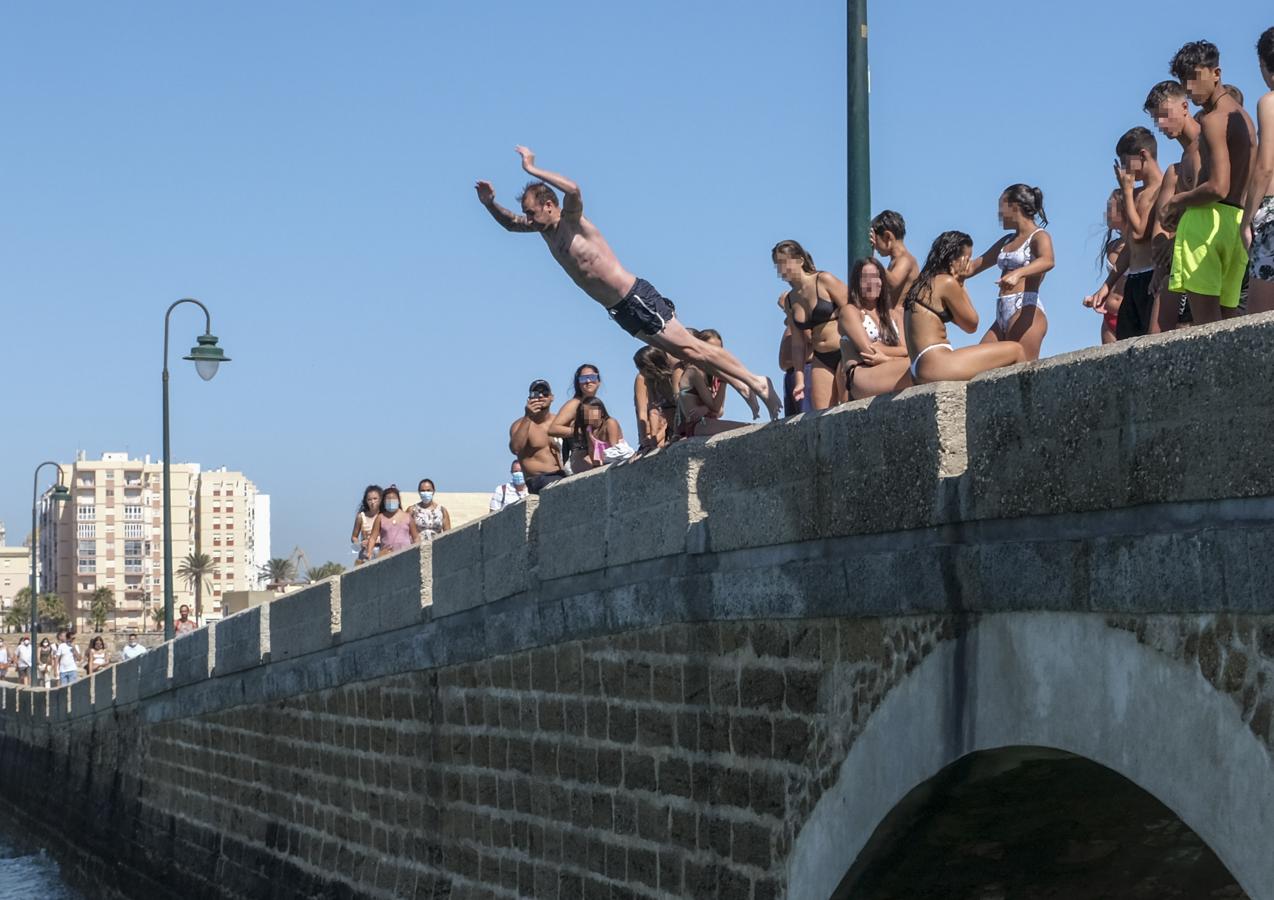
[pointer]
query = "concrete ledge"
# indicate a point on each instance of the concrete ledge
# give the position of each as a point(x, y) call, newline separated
point(567, 527)
point(81, 696)
point(193, 655)
point(243, 640)
point(387, 594)
point(128, 679)
point(1175, 417)
point(508, 554)
point(650, 505)
point(103, 689)
point(458, 568)
point(60, 705)
point(303, 622)
point(155, 671)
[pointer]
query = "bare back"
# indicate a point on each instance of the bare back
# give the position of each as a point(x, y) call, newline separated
point(580, 249)
point(1240, 142)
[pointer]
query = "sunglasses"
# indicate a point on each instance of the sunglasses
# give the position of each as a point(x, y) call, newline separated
point(589, 379)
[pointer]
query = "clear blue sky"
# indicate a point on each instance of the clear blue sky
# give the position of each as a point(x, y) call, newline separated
point(306, 169)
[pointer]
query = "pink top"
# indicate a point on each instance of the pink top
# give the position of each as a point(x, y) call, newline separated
point(395, 536)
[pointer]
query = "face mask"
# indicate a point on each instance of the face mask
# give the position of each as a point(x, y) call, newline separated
point(426, 496)
point(518, 479)
point(391, 506)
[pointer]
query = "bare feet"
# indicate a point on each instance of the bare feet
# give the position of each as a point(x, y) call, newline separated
point(749, 397)
point(771, 399)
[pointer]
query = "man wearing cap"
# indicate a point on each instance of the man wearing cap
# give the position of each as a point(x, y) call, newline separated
point(529, 439)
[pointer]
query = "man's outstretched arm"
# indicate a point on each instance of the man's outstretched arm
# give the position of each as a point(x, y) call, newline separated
point(572, 203)
point(508, 220)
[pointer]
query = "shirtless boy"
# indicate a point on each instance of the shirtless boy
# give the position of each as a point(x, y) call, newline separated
point(1138, 161)
point(1208, 256)
point(1258, 218)
point(1169, 107)
point(886, 234)
point(580, 249)
point(530, 442)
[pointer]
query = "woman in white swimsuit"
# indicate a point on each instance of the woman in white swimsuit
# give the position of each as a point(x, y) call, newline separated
point(1023, 257)
point(937, 297)
point(875, 354)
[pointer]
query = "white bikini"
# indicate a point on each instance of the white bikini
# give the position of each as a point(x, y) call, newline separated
point(1011, 304)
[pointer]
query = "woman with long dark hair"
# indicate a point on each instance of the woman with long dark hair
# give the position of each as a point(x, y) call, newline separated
point(937, 297)
point(430, 516)
point(1023, 256)
point(586, 381)
point(394, 529)
point(813, 302)
point(368, 510)
point(701, 397)
point(596, 437)
point(655, 396)
point(875, 353)
point(1113, 260)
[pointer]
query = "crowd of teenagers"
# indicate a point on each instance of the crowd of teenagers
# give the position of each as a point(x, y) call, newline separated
point(1192, 243)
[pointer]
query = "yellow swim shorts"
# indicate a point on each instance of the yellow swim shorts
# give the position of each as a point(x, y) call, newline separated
point(1208, 256)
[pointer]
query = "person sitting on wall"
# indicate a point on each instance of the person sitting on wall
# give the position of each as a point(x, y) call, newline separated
point(531, 443)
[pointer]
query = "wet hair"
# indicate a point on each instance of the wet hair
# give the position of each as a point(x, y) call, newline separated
point(882, 305)
point(707, 334)
point(1192, 57)
point(429, 481)
point(362, 507)
point(655, 368)
point(1265, 49)
point(1234, 92)
point(540, 193)
point(891, 222)
point(579, 392)
point(1135, 140)
point(580, 431)
point(946, 249)
point(384, 496)
point(1164, 90)
point(1030, 200)
point(794, 250)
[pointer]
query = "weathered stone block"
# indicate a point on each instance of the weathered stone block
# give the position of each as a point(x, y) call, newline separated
point(566, 527)
point(59, 704)
point(243, 640)
point(103, 689)
point(128, 680)
point(194, 655)
point(80, 696)
point(303, 622)
point(155, 671)
point(387, 594)
point(508, 551)
point(650, 506)
point(1106, 427)
point(457, 569)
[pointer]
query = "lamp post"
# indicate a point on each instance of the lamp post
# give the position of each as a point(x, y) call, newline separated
point(206, 356)
point(858, 158)
point(59, 494)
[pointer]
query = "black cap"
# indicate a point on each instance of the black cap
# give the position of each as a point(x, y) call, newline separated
point(539, 385)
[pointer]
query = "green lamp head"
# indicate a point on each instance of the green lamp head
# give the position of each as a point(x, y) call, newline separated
point(207, 356)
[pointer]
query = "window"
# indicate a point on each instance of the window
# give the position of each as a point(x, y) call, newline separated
point(86, 565)
point(132, 513)
point(132, 548)
point(132, 530)
point(132, 566)
point(110, 475)
point(86, 530)
point(85, 549)
point(85, 513)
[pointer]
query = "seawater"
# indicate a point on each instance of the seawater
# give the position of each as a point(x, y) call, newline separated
point(28, 871)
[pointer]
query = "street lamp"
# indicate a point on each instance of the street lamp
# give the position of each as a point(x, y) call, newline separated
point(207, 357)
point(60, 494)
point(858, 159)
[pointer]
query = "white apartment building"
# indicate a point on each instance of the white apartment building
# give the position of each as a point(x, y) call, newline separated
point(233, 524)
point(15, 569)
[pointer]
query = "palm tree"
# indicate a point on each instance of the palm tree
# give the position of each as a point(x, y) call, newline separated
point(327, 570)
point(100, 607)
point(278, 572)
point(196, 570)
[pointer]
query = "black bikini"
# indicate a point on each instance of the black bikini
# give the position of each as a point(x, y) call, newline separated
point(824, 312)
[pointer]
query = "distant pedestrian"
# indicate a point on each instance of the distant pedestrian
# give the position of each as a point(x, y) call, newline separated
point(24, 660)
point(47, 674)
point(4, 660)
point(394, 529)
point(132, 649)
point(67, 657)
point(368, 510)
point(513, 491)
point(184, 624)
point(430, 517)
point(97, 659)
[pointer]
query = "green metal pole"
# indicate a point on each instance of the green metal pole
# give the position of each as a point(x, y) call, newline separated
point(35, 552)
point(859, 156)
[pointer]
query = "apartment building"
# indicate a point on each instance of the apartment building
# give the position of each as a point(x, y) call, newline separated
point(111, 535)
point(15, 571)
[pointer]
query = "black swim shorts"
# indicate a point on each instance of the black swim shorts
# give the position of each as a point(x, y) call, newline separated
point(537, 483)
point(643, 310)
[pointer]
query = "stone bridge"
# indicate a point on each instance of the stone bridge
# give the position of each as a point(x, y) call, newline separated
point(738, 668)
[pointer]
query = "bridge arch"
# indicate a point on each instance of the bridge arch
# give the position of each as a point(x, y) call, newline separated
point(1070, 682)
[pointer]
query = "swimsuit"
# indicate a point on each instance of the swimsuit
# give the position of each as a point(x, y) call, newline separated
point(915, 363)
point(944, 316)
point(1262, 264)
point(1010, 305)
point(1208, 256)
point(537, 483)
point(874, 334)
point(824, 312)
point(643, 311)
point(1134, 313)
